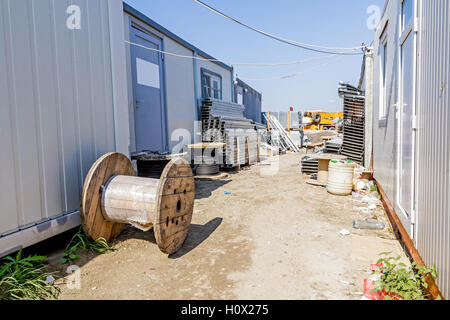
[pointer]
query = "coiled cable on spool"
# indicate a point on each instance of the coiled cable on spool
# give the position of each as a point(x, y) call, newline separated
point(207, 169)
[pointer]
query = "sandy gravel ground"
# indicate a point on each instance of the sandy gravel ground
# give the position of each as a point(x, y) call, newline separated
point(273, 237)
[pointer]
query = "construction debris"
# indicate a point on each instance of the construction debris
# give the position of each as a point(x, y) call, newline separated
point(313, 136)
point(368, 224)
point(289, 119)
point(280, 134)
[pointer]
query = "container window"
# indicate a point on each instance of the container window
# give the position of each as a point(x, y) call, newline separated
point(383, 54)
point(407, 13)
point(211, 85)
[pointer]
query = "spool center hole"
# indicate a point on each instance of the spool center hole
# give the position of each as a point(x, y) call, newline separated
point(179, 205)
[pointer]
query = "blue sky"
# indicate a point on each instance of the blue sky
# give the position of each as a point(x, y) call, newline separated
point(332, 23)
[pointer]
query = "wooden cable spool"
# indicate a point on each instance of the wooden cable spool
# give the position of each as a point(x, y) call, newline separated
point(112, 197)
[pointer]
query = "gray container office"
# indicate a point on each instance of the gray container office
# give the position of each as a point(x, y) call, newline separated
point(62, 102)
point(69, 93)
point(178, 88)
point(250, 98)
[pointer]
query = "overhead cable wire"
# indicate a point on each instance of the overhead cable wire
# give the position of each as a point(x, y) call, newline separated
point(294, 74)
point(315, 48)
point(231, 63)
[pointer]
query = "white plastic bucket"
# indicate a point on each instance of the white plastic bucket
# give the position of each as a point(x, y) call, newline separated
point(340, 178)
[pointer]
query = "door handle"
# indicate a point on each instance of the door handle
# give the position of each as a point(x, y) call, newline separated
point(138, 102)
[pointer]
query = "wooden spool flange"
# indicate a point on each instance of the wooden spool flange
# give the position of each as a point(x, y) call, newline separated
point(112, 196)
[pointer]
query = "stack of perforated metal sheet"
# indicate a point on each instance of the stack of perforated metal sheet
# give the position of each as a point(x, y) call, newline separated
point(333, 146)
point(354, 122)
point(310, 165)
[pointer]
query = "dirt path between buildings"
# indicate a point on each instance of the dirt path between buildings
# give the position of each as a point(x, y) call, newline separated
point(272, 237)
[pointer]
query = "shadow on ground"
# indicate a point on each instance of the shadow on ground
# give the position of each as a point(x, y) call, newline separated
point(204, 189)
point(54, 248)
point(196, 235)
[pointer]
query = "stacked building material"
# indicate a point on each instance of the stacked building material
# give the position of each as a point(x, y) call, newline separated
point(316, 136)
point(212, 108)
point(310, 165)
point(295, 119)
point(354, 122)
point(280, 134)
point(333, 146)
point(225, 122)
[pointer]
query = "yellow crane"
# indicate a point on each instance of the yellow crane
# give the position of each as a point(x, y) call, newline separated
point(320, 120)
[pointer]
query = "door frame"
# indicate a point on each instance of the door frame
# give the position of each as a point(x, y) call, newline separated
point(133, 23)
point(408, 221)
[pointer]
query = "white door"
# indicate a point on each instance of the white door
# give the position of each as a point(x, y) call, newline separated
point(405, 118)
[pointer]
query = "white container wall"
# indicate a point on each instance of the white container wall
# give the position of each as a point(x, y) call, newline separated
point(62, 89)
point(429, 223)
point(433, 166)
point(384, 125)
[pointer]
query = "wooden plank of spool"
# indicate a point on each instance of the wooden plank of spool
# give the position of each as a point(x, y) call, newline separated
point(205, 145)
point(258, 146)
point(166, 204)
point(92, 220)
point(176, 194)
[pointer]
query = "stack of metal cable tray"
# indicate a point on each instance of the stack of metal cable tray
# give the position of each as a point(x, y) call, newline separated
point(225, 122)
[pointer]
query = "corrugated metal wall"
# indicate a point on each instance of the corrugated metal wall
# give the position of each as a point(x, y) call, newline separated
point(56, 105)
point(433, 181)
point(432, 225)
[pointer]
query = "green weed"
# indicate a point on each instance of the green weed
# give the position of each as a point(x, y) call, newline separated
point(81, 241)
point(25, 279)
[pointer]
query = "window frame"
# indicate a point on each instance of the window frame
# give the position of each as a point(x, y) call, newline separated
point(407, 30)
point(383, 55)
point(405, 26)
point(205, 72)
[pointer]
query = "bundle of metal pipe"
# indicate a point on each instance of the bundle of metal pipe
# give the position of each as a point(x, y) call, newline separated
point(354, 122)
point(226, 110)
